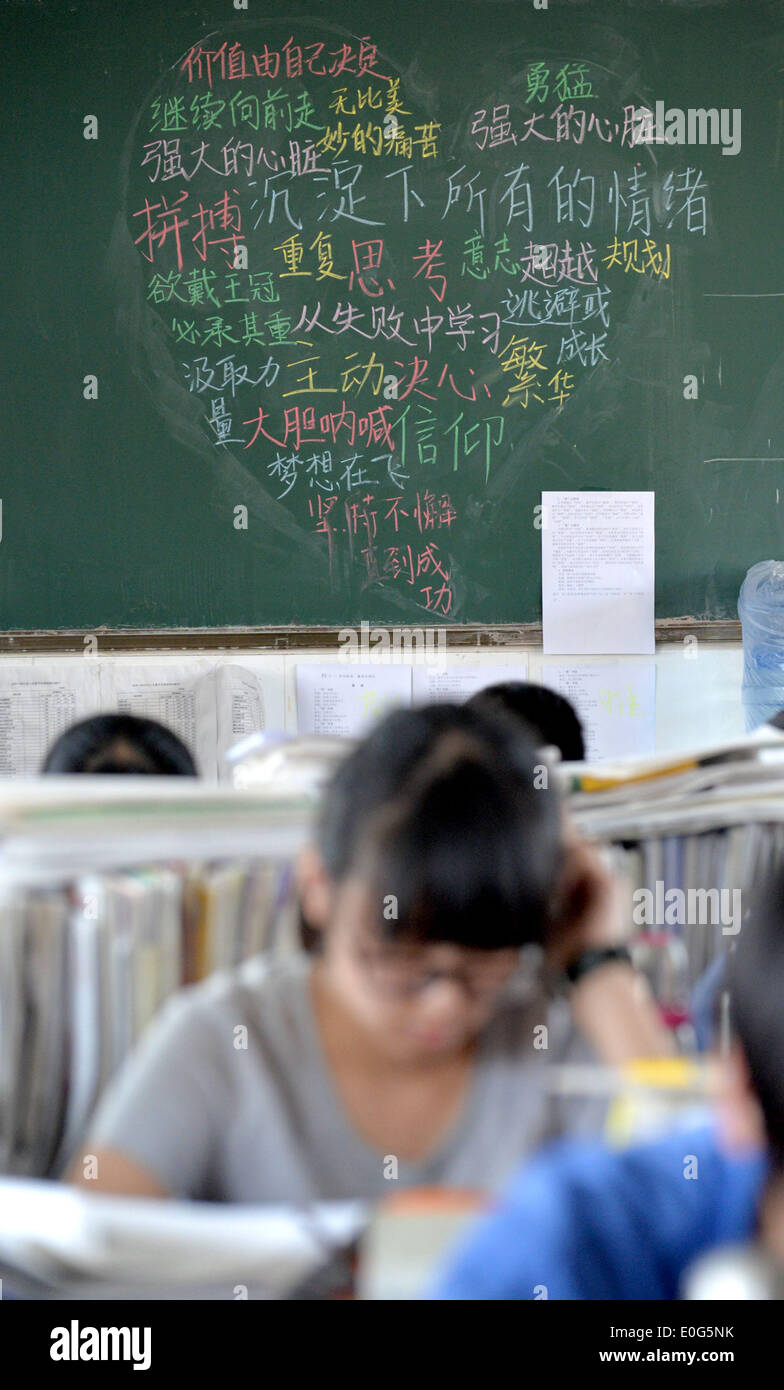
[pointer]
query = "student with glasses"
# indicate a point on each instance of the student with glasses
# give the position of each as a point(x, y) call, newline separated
point(413, 1045)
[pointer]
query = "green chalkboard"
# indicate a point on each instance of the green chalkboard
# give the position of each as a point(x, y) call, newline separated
point(308, 304)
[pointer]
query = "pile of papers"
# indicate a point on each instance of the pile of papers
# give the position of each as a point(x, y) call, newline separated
point(77, 1244)
point(700, 790)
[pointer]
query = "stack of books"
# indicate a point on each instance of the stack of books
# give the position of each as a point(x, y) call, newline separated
point(111, 898)
point(691, 840)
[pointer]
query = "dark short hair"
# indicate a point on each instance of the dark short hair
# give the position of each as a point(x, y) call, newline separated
point(550, 717)
point(756, 987)
point(447, 809)
point(120, 743)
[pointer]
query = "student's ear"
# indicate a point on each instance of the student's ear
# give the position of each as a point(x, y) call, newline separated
point(740, 1120)
point(314, 888)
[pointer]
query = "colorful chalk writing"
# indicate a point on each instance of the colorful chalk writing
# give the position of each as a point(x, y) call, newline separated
point(373, 304)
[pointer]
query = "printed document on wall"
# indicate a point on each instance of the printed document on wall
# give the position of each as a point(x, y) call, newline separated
point(458, 683)
point(598, 572)
point(616, 704)
point(180, 696)
point(37, 704)
point(347, 700)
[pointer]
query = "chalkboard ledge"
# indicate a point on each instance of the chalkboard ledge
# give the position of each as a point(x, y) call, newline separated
point(67, 641)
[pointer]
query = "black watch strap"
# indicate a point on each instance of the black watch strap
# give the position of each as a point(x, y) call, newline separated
point(591, 960)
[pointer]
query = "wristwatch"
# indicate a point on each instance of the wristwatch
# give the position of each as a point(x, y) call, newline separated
point(591, 960)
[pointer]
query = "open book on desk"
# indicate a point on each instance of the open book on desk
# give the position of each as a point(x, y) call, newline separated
point(209, 707)
point(76, 1242)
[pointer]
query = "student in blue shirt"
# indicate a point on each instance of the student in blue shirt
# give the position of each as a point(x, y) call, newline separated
point(584, 1222)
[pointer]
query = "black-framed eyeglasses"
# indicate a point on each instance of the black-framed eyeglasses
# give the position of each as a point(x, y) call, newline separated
point(395, 974)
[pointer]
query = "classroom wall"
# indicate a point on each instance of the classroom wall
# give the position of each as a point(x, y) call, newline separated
point(698, 688)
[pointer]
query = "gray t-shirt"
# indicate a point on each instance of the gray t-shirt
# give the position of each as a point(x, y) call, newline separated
point(215, 1120)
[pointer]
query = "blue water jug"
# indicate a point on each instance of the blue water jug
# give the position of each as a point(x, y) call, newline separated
point(761, 612)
